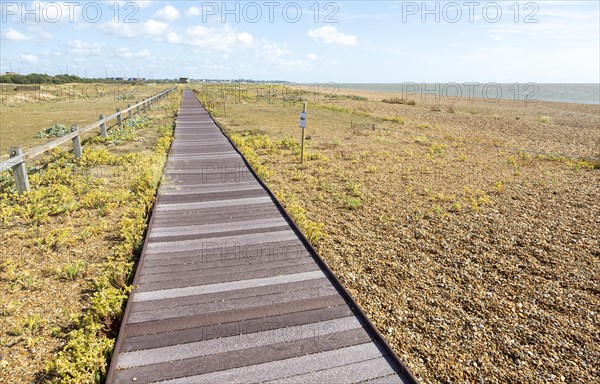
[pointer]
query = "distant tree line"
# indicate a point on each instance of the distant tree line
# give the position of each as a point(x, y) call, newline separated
point(37, 78)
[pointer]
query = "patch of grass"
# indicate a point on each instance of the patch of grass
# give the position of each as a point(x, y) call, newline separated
point(333, 108)
point(456, 207)
point(353, 203)
point(398, 100)
point(437, 149)
point(73, 270)
point(395, 119)
point(544, 119)
point(354, 188)
point(421, 140)
point(477, 198)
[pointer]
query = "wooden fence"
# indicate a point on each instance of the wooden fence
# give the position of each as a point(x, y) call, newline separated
point(18, 156)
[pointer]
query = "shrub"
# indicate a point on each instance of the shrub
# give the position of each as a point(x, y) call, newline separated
point(395, 100)
point(56, 130)
point(544, 119)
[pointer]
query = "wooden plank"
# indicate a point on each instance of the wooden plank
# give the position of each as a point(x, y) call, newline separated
point(242, 303)
point(241, 358)
point(217, 331)
point(352, 373)
point(168, 304)
point(213, 204)
point(294, 366)
point(174, 285)
point(217, 228)
point(203, 320)
point(228, 286)
point(200, 273)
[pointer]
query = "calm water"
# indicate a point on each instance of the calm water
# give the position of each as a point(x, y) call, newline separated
point(569, 93)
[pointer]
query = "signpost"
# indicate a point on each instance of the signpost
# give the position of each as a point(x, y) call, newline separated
point(303, 126)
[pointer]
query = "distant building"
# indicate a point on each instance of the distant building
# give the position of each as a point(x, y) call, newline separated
point(9, 73)
point(184, 80)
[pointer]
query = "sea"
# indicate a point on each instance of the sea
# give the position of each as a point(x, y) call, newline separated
point(529, 92)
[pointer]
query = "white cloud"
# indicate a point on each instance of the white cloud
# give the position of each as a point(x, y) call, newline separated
point(31, 59)
point(169, 12)
point(150, 28)
point(223, 39)
point(312, 57)
point(193, 11)
point(126, 53)
point(275, 54)
point(83, 49)
point(14, 35)
point(330, 35)
point(46, 53)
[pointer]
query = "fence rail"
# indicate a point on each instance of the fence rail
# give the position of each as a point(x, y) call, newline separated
point(18, 157)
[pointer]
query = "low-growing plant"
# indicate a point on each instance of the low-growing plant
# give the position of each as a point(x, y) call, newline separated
point(421, 140)
point(334, 108)
point(456, 207)
point(73, 269)
point(56, 130)
point(353, 203)
point(354, 188)
point(544, 119)
point(398, 100)
point(395, 119)
point(437, 149)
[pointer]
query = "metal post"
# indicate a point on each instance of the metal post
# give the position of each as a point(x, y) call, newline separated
point(129, 112)
point(119, 117)
point(19, 171)
point(303, 129)
point(76, 142)
point(102, 127)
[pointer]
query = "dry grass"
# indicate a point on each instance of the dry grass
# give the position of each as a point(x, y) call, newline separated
point(26, 112)
point(479, 262)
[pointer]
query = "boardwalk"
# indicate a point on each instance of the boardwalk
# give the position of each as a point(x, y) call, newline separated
point(227, 290)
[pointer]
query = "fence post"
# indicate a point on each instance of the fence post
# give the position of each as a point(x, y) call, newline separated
point(137, 111)
point(102, 127)
point(144, 107)
point(76, 142)
point(129, 113)
point(19, 171)
point(119, 117)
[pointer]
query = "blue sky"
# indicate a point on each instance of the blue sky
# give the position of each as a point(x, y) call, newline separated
point(345, 41)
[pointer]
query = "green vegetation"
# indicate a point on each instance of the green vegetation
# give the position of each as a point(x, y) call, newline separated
point(56, 130)
point(395, 119)
point(398, 100)
point(544, 119)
